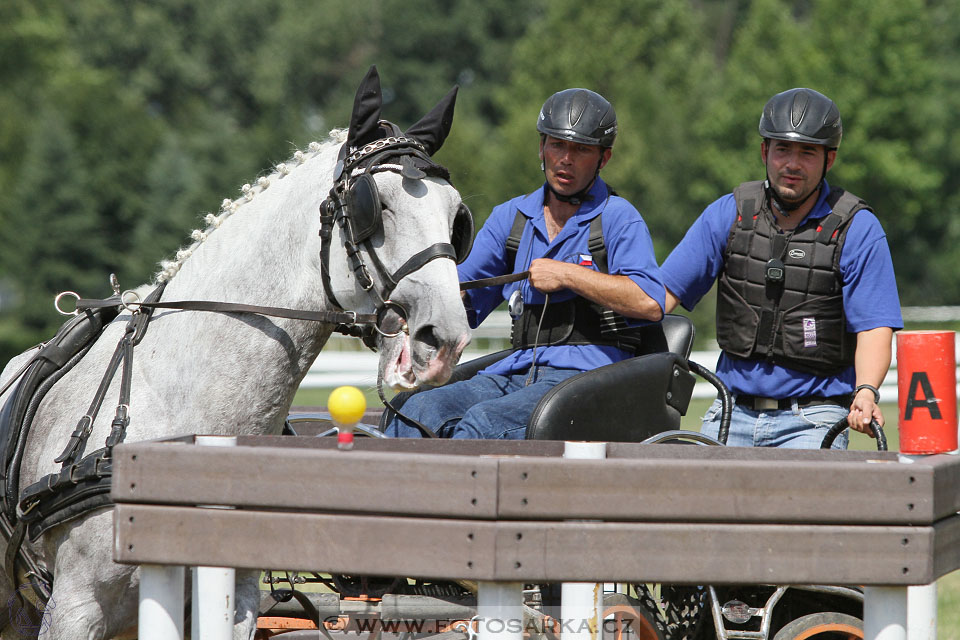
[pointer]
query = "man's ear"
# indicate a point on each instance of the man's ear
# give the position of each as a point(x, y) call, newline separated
point(763, 152)
point(605, 158)
point(831, 156)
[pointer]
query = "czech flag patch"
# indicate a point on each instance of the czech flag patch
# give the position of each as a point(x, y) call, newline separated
point(586, 260)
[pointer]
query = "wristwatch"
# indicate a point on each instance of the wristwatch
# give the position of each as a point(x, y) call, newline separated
point(876, 392)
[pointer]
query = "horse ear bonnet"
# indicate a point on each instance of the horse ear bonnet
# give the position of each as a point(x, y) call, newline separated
point(365, 119)
point(433, 128)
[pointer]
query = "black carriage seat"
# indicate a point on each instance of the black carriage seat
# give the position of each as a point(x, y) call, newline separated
point(627, 401)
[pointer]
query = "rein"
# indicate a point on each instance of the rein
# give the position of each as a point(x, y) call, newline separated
point(494, 281)
point(328, 317)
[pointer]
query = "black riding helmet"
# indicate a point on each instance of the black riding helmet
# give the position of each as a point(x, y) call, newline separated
point(579, 115)
point(801, 115)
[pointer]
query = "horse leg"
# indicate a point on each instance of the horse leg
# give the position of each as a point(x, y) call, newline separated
point(248, 604)
point(93, 597)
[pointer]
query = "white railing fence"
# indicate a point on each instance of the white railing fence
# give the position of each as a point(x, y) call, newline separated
point(346, 361)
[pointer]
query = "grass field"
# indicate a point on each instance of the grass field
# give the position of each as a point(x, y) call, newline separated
point(948, 587)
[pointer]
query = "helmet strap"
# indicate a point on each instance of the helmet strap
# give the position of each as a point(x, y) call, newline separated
point(579, 197)
point(786, 208)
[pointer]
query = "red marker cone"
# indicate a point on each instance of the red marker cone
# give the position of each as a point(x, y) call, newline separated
point(927, 386)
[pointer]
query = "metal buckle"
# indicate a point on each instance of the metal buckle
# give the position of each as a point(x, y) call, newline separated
point(381, 314)
point(134, 305)
point(765, 404)
point(56, 303)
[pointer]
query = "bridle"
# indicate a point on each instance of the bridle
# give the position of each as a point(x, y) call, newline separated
point(354, 204)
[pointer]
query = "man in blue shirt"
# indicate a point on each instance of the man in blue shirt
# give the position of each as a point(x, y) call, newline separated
point(556, 310)
point(806, 300)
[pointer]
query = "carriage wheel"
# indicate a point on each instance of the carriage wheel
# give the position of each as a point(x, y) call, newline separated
point(630, 622)
point(634, 618)
point(829, 625)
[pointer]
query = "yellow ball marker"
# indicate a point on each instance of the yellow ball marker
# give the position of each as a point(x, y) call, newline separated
point(346, 405)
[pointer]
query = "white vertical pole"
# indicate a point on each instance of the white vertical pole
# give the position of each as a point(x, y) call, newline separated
point(500, 610)
point(214, 588)
point(921, 600)
point(161, 603)
point(922, 612)
point(885, 613)
point(581, 603)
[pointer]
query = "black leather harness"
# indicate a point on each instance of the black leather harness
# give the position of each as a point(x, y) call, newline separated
point(573, 322)
point(81, 485)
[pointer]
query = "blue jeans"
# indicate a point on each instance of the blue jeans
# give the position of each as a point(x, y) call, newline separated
point(792, 428)
point(482, 407)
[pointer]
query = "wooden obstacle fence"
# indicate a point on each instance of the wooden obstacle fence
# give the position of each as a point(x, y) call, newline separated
point(516, 512)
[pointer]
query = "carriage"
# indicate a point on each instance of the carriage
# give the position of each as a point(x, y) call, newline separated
point(637, 400)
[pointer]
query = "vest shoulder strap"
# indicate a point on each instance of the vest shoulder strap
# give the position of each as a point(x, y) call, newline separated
point(595, 242)
point(598, 248)
point(843, 205)
point(513, 240)
point(749, 198)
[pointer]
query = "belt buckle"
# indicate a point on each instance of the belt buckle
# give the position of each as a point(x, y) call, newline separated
point(765, 404)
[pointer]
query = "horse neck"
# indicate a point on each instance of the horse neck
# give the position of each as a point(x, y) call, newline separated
point(266, 253)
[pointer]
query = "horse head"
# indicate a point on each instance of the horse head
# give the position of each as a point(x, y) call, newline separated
point(401, 227)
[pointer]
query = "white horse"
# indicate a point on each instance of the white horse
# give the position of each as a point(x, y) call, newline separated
point(236, 373)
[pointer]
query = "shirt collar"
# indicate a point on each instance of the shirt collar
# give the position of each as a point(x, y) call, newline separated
point(821, 209)
point(531, 205)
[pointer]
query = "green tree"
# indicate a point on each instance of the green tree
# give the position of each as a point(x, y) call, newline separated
point(123, 122)
point(886, 65)
point(647, 58)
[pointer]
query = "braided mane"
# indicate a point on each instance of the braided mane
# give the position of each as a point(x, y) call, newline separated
point(169, 268)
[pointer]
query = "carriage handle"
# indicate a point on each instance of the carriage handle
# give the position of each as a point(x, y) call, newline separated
point(841, 425)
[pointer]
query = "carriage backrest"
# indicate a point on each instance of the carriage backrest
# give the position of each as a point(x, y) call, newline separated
point(675, 334)
point(627, 401)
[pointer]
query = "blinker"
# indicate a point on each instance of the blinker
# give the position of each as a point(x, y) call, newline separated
point(363, 203)
point(461, 236)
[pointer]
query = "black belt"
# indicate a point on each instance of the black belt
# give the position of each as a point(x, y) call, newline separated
point(759, 403)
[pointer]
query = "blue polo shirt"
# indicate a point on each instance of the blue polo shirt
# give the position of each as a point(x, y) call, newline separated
point(870, 298)
point(629, 253)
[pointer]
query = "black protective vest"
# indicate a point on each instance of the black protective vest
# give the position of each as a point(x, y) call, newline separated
point(798, 322)
point(576, 321)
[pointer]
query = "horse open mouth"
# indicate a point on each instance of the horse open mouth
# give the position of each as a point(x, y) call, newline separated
point(402, 365)
point(409, 363)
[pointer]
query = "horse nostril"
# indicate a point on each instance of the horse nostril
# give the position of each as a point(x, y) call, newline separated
point(427, 336)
